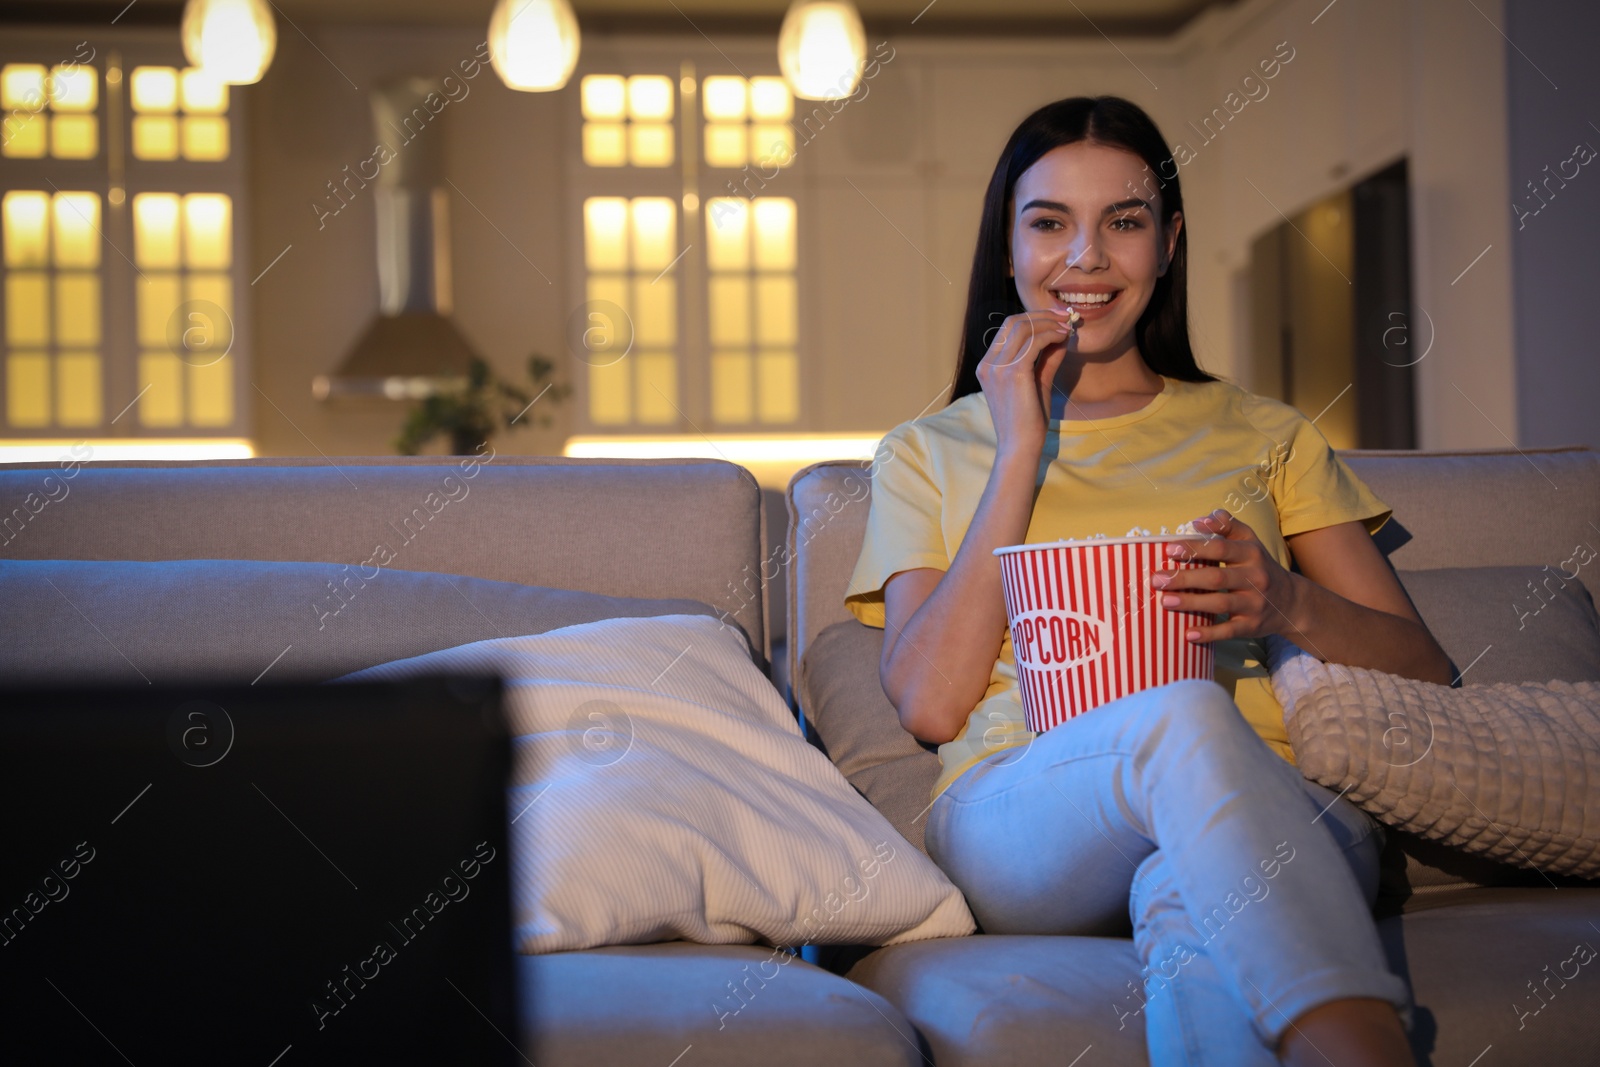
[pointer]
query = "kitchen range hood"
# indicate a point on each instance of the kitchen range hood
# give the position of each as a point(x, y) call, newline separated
point(411, 349)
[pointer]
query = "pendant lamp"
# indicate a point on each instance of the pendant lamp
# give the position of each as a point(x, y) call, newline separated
point(821, 48)
point(533, 44)
point(231, 40)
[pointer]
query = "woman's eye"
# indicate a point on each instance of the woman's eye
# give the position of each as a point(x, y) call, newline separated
point(1047, 224)
point(1133, 224)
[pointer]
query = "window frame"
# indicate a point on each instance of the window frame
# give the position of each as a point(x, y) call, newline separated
point(113, 167)
point(688, 175)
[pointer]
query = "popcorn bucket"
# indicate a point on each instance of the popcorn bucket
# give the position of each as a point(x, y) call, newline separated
point(1087, 627)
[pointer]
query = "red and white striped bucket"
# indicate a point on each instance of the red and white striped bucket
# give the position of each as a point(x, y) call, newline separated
point(1087, 627)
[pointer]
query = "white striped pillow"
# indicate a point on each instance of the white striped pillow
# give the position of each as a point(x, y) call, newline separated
point(662, 791)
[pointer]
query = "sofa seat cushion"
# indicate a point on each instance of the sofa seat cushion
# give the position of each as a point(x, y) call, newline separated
point(705, 1005)
point(999, 999)
point(228, 620)
point(1474, 958)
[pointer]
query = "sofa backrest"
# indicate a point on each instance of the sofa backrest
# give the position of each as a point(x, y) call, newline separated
point(1460, 509)
point(643, 528)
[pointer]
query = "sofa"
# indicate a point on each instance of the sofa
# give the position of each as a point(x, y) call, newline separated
point(1472, 937)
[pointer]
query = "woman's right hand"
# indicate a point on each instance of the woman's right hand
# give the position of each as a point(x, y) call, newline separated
point(1017, 375)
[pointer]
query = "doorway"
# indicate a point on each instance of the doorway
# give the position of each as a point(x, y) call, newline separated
point(1331, 319)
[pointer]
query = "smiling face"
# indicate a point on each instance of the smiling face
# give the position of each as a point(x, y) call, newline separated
point(1085, 225)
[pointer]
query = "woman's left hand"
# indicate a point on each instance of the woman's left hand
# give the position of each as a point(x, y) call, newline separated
point(1253, 589)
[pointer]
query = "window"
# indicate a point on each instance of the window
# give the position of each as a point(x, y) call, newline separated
point(628, 244)
point(50, 111)
point(750, 251)
point(747, 121)
point(178, 114)
point(627, 121)
point(118, 195)
point(688, 325)
point(183, 247)
point(53, 308)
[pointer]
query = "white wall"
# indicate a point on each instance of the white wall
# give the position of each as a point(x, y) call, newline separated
point(1456, 130)
point(1553, 82)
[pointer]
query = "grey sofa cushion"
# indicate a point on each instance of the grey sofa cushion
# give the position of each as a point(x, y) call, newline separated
point(1493, 625)
point(632, 1005)
point(1486, 508)
point(860, 729)
point(1002, 999)
point(230, 620)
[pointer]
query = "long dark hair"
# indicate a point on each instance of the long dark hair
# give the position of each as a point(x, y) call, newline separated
point(1162, 332)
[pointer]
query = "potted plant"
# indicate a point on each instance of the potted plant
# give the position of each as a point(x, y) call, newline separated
point(474, 414)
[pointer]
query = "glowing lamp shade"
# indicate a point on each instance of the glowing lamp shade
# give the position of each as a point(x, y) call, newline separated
point(231, 40)
point(533, 44)
point(821, 48)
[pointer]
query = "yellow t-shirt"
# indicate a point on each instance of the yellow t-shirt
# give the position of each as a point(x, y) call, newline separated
point(1194, 448)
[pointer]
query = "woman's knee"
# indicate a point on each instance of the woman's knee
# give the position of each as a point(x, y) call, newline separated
point(1185, 713)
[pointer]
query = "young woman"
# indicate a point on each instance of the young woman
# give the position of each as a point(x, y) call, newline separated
point(1249, 888)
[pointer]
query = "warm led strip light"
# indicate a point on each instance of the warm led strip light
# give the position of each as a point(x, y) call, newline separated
point(773, 460)
point(42, 451)
point(807, 448)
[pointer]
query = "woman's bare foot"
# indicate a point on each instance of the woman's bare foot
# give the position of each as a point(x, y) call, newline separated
point(1351, 1032)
